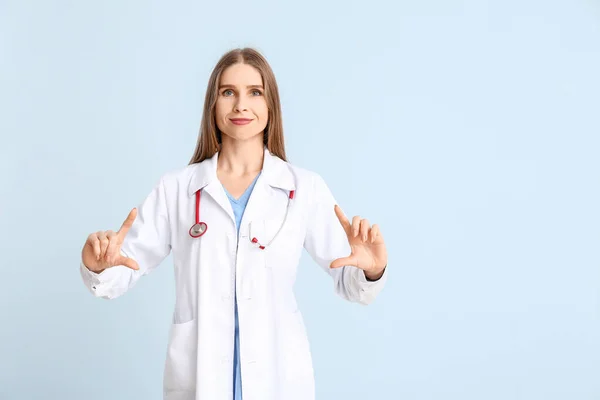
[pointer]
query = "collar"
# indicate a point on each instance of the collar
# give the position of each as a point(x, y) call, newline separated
point(275, 172)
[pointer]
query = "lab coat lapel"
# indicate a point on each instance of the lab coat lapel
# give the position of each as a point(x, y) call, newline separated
point(216, 191)
point(205, 179)
point(275, 174)
point(257, 203)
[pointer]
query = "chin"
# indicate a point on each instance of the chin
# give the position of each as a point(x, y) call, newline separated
point(244, 135)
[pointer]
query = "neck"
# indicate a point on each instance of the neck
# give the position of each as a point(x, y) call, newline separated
point(240, 157)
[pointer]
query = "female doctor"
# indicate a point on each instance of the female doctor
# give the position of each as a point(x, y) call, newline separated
point(236, 220)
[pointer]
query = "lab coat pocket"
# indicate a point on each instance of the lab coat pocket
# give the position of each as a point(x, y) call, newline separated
point(183, 314)
point(286, 243)
point(180, 365)
point(182, 317)
point(281, 258)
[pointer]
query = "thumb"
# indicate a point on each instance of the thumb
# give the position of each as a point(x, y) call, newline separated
point(128, 262)
point(341, 262)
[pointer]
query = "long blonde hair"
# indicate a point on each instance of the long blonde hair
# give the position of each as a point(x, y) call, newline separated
point(209, 137)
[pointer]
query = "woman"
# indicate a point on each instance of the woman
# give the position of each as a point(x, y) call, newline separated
point(236, 219)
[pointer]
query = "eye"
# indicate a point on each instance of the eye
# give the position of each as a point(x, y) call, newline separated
point(256, 92)
point(227, 92)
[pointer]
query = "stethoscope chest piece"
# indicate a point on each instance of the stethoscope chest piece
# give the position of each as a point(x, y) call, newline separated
point(198, 229)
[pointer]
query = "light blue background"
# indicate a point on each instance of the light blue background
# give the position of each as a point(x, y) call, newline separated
point(469, 130)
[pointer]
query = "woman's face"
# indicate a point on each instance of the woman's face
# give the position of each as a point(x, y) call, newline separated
point(241, 110)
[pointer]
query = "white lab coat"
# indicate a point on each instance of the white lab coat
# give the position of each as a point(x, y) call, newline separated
point(275, 357)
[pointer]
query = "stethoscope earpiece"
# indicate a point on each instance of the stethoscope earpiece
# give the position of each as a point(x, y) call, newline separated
point(260, 246)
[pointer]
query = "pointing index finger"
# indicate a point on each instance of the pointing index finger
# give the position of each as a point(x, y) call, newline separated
point(343, 219)
point(127, 223)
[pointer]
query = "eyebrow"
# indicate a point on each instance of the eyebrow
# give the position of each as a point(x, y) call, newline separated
point(249, 86)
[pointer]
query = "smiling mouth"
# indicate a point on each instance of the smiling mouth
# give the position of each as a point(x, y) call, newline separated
point(240, 121)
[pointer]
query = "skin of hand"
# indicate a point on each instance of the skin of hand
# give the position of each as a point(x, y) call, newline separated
point(367, 246)
point(102, 249)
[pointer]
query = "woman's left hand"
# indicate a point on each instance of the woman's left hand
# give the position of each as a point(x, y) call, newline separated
point(367, 246)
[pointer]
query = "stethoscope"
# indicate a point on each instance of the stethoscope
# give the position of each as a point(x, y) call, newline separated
point(200, 228)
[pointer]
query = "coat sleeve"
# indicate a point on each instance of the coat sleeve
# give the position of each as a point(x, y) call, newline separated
point(326, 241)
point(148, 242)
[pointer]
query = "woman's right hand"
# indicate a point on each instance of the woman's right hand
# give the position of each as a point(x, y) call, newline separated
point(102, 249)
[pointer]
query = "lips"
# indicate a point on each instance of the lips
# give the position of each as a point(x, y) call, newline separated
point(240, 121)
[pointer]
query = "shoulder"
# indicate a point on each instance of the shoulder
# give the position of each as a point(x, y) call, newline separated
point(181, 174)
point(303, 175)
point(177, 180)
point(309, 180)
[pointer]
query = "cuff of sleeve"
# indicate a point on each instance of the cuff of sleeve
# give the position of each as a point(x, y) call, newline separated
point(366, 282)
point(370, 289)
point(94, 281)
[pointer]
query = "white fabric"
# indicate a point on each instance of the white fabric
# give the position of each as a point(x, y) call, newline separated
point(275, 353)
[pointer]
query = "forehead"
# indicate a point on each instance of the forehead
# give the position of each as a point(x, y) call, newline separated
point(241, 74)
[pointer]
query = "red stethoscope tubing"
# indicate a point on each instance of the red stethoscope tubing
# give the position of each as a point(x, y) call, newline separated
point(200, 228)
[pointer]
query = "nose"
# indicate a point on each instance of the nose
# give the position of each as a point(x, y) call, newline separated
point(240, 105)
